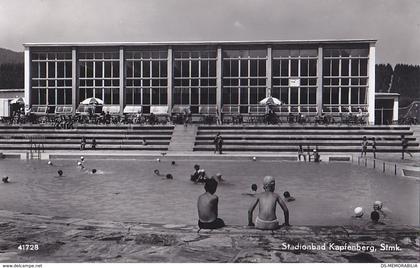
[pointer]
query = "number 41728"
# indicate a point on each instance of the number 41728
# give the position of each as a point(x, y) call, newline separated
point(28, 247)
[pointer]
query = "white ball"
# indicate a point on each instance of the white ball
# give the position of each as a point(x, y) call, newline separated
point(254, 158)
point(79, 163)
point(358, 212)
point(157, 159)
point(49, 163)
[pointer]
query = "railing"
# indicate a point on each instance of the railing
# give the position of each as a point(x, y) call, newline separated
point(37, 146)
point(379, 165)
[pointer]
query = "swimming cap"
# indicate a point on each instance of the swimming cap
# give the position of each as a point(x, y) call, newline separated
point(79, 163)
point(268, 180)
point(377, 204)
point(358, 212)
point(201, 171)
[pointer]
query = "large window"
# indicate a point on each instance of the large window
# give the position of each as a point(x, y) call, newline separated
point(51, 78)
point(195, 77)
point(244, 77)
point(345, 77)
point(99, 76)
point(146, 77)
point(294, 74)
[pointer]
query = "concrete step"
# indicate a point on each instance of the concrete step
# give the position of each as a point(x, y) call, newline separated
point(301, 127)
point(183, 138)
point(77, 147)
point(303, 143)
point(361, 132)
point(293, 149)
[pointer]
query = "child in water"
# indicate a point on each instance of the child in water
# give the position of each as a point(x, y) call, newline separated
point(253, 191)
point(288, 197)
point(195, 175)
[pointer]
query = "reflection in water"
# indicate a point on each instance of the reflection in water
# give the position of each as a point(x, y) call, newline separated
point(326, 194)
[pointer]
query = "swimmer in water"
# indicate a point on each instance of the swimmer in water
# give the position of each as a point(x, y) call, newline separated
point(374, 216)
point(287, 197)
point(157, 172)
point(219, 177)
point(60, 172)
point(383, 211)
point(173, 163)
point(80, 165)
point(5, 179)
point(267, 200)
point(254, 189)
point(169, 176)
point(195, 175)
point(94, 171)
point(202, 177)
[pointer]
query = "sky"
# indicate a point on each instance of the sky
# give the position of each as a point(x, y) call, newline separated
point(394, 23)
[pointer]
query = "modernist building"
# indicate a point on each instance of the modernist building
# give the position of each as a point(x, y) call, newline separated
point(307, 76)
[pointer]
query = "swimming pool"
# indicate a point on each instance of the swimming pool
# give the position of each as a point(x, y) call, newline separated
point(128, 190)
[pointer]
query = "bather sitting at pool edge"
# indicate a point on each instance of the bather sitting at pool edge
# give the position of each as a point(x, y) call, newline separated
point(208, 207)
point(266, 219)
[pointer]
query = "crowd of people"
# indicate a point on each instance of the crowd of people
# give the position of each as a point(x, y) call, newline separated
point(184, 117)
point(267, 200)
point(312, 154)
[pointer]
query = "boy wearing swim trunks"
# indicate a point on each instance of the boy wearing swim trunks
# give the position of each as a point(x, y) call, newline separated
point(267, 200)
point(208, 207)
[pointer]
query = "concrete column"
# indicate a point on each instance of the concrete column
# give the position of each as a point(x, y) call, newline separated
point(219, 81)
point(122, 81)
point(27, 77)
point(170, 78)
point(269, 71)
point(395, 114)
point(74, 80)
point(371, 85)
point(319, 83)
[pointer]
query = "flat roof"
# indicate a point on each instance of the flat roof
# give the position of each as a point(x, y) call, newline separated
point(256, 42)
point(386, 94)
point(12, 89)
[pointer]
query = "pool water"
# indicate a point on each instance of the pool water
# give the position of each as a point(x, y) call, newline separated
point(128, 190)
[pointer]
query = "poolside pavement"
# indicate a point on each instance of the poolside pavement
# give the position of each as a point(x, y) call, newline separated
point(62, 239)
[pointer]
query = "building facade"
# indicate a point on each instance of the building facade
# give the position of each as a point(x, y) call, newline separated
point(321, 76)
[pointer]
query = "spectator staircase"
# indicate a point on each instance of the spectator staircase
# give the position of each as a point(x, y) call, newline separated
point(183, 138)
point(35, 138)
point(287, 138)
